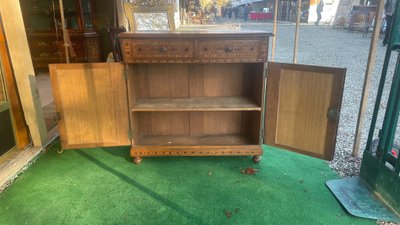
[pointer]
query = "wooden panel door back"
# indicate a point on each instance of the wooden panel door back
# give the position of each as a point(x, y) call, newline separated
point(92, 104)
point(303, 105)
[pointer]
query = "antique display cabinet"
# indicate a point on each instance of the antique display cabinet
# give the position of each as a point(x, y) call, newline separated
point(44, 32)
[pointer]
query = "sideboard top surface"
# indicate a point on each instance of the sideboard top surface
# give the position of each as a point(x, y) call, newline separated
point(196, 34)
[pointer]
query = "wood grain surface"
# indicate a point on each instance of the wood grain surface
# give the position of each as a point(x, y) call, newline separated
point(91, 100)
point(298, 100)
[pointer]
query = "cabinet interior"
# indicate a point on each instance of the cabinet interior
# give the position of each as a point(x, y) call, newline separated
point(195, 104)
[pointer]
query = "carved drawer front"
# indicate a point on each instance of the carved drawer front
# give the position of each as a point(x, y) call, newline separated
point(233, 50)
point(141, 51)
point(93, 49)
point(45, 43)
point(78, 45)
point(44, 54)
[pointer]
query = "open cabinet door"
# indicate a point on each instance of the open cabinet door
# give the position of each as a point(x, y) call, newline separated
point(302, 108)
point(91, 101)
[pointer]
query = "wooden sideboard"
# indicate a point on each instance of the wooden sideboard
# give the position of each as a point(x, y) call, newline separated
point(47, 48)
point(198, 94)
point(42, 21)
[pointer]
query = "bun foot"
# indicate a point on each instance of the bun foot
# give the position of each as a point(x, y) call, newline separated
point(256, 159)
point(137, 160)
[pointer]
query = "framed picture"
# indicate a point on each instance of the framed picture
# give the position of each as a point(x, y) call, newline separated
point(150, 18)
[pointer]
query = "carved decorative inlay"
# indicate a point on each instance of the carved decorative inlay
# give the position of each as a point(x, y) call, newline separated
point(45, 44)
point(193, 50)
point(92, 49)
point(228, 49)
point(157, 49)
point(135, 152)
point(45, 53)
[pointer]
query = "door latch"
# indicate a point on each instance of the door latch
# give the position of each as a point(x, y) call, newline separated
point(57, 117)
point(333, 113)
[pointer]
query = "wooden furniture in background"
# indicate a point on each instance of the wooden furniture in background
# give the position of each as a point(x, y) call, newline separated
point(43, 27)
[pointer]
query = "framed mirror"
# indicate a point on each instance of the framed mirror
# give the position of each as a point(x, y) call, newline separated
point(150, 18)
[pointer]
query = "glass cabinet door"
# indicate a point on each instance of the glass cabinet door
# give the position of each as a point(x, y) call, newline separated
point(87, 17)
point(70, 14)
point(44, 15)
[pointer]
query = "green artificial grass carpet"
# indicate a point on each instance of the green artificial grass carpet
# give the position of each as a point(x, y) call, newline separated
point(102, 186)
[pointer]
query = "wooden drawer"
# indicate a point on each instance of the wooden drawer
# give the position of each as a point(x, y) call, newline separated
point(140, 51)
point(232, 50)
point(51, 43)
point(194, 47)
point(78, 45)
point(46, 53)
point(45, 43)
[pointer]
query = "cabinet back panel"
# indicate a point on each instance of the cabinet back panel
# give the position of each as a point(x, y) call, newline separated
point(197, 123)
point(253, 81)
point(251, 125)
point(196, 80)
point(223, 80)
point(161, 80)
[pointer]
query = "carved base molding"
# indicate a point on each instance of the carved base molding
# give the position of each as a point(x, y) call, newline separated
point(141, 151)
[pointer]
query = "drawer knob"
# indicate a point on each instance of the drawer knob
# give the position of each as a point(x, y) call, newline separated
point(162, 50)
point(228, 49)
point(44, 55)
point(41, 44)
point(205, 49)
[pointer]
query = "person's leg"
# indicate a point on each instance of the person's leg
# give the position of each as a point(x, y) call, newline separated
point(388, 28)
point(318, 19)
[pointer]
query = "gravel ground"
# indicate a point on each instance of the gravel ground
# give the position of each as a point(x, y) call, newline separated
point(325, 46)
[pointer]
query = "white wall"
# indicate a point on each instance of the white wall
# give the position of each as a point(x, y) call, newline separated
point(328, 14)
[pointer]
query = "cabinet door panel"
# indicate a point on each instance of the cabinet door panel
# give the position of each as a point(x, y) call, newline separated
point(92, 102)
point(303, 105)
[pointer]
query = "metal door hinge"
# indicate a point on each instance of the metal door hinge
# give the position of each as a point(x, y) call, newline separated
point(130, 134)
point(126, 75)
point(126, 69)
point(266, 74)
point(333, 113)
point(261, 138)
point(57, 117)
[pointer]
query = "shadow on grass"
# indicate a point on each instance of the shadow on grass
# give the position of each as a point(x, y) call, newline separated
point(193, 218)
point(119, 152)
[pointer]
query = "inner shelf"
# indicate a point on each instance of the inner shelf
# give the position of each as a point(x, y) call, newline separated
point(188, 140)
point(231, 103)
